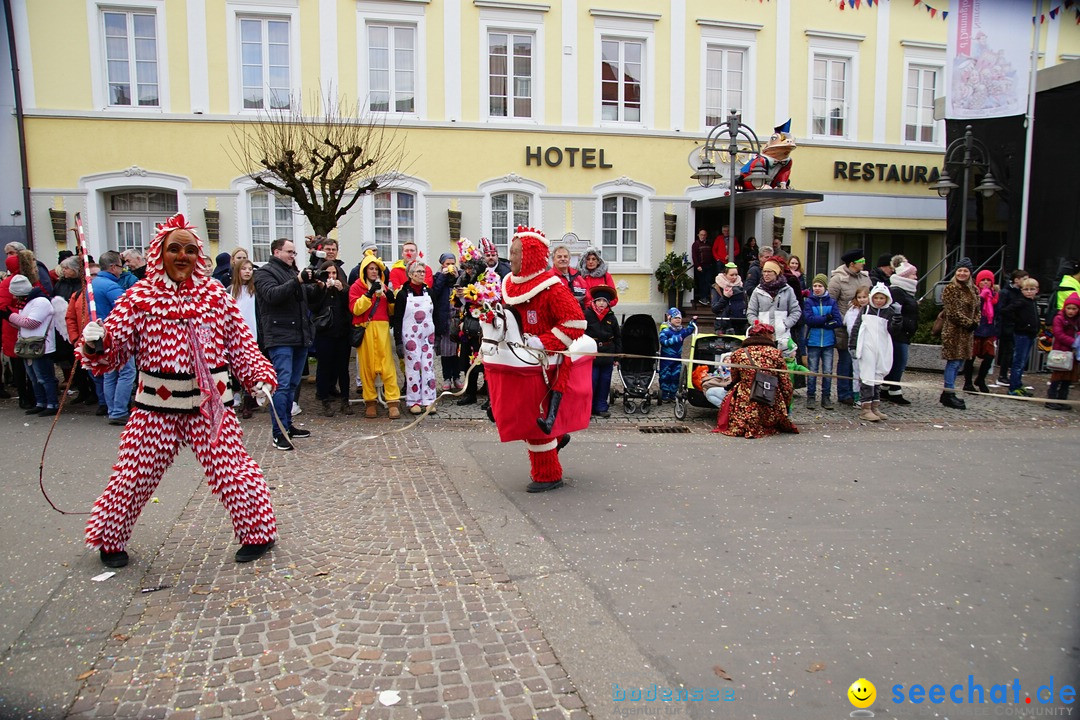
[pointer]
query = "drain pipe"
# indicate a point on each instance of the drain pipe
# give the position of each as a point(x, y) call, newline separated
point(19, 122)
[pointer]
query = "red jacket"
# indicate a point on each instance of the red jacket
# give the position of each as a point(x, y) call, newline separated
point(719, 248)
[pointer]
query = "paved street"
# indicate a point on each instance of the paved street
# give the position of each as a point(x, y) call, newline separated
point(415, 563)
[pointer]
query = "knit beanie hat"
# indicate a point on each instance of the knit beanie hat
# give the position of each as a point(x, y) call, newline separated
point(674, 312)
point(820, 278)
point(20, 286)
point(965, 262)
point(884, 260)
point(446, 256)
point(984, 275)
point(12, 264)
point(907, 270)
point(1073, 299)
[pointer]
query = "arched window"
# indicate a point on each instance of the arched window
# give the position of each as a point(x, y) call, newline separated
point(272, 217)
point(508, 210)
point(619, 228)
point(132, 216)
point(395, 222)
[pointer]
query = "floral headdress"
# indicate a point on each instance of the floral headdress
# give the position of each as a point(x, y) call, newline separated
point(480, 296)
point(466, 251)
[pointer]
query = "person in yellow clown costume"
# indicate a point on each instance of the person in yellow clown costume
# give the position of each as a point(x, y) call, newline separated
point(372, 306)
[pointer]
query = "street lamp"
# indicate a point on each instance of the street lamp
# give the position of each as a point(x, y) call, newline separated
point(741, 141)
point(975, 155)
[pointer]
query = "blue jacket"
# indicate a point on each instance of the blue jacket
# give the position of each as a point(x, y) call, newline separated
point(107, 289)
point(671, 340)
point(822, 315)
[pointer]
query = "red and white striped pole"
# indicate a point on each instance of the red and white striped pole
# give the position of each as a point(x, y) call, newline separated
point(91, 306)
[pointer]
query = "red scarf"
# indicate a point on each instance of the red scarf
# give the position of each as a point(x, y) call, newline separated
point(601, 314)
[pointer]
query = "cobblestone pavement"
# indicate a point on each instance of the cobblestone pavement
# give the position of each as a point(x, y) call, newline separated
point(381, 581)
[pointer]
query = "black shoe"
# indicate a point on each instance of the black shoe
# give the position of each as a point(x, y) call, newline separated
point(49, 412)
point(969, 387)
point(949, 400)
point(282, 443)
point(564, 440)
point(116, 559)
point(102, 410)
point(602, 414)
point(33, 410)
point(247, 553)
point(849, 401)
point(535, 487)
point(295, 432)
point(467, 400)
point(899, 400)
point(90, 399)
point(122, 420)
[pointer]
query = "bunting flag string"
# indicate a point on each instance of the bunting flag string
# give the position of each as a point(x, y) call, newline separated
point(934, 12)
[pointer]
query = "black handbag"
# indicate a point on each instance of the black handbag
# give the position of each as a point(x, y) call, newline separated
point(324, 321)
point(357, 337)
point(764, 391)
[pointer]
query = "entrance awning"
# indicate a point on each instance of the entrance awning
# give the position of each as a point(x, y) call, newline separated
point(758, 199)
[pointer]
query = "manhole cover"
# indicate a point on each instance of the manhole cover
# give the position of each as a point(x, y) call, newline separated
point(664, 429)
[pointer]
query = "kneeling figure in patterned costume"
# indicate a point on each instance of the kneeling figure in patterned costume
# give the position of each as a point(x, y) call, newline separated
point(186, 334)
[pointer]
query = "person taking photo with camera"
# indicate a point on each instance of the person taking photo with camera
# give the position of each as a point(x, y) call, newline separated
point(284, 295)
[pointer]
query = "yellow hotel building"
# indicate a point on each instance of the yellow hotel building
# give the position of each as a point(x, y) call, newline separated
point(578, 117)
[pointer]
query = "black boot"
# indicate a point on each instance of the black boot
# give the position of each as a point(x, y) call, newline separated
point(247, 553)
point(969, 369)
point(948, 399)
point(546, 423)
point(984, 370)
point(1055, 393)
point(1063, 394)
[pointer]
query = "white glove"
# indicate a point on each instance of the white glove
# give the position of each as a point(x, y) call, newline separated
point(534, 342)
point(93, 332)
point(263, 391)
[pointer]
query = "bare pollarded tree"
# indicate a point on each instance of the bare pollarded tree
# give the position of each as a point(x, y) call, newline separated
point(324, 161)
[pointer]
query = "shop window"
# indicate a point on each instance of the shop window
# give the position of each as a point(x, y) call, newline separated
point(391, 68)
point(510, 74)
point(508, 210)
point(272, 217)
point(622, 67)
point(265, 64)
point(619, 228)
point(725, 77)
point(395, 222)
point(131, 58)
point(922, 86)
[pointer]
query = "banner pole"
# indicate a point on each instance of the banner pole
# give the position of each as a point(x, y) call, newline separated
point(1028, 141)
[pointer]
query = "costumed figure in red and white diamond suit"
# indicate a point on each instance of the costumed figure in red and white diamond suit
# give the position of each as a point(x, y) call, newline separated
point(186, 333)
point(559, 388)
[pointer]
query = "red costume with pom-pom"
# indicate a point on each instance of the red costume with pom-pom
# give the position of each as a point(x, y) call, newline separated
point(547, 310)
point(186, 338)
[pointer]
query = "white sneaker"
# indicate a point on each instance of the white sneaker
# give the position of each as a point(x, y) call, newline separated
point(296, 409)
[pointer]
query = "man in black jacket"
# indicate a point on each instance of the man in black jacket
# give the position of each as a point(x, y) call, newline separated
point(285, 329)
point(1005, 315)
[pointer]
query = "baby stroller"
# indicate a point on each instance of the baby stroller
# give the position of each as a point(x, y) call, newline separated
point(639, 337)
point(707, 348)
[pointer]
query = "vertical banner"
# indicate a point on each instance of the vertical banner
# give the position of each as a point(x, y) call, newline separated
point(988, 57)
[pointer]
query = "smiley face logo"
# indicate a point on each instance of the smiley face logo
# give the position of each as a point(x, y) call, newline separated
point(862, 693)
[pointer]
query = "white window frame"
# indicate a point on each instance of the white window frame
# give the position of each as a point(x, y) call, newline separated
point(730, 36)
point(97, 186)
point(838, 46)
point(643, 194)
point(244, 189)
point(519, 22)
point(404, 183)
point(625, 26)
point(929, 57)
point(237, 10)
point(390, 13)
point(99, 84)
point(510, 184)
point(275, 228)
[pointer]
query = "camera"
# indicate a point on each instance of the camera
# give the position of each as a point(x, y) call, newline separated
point(307, 275)
point(376, 286)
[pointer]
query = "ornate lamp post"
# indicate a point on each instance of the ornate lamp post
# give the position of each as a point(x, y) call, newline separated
point(742, 145)
point(967, 152)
